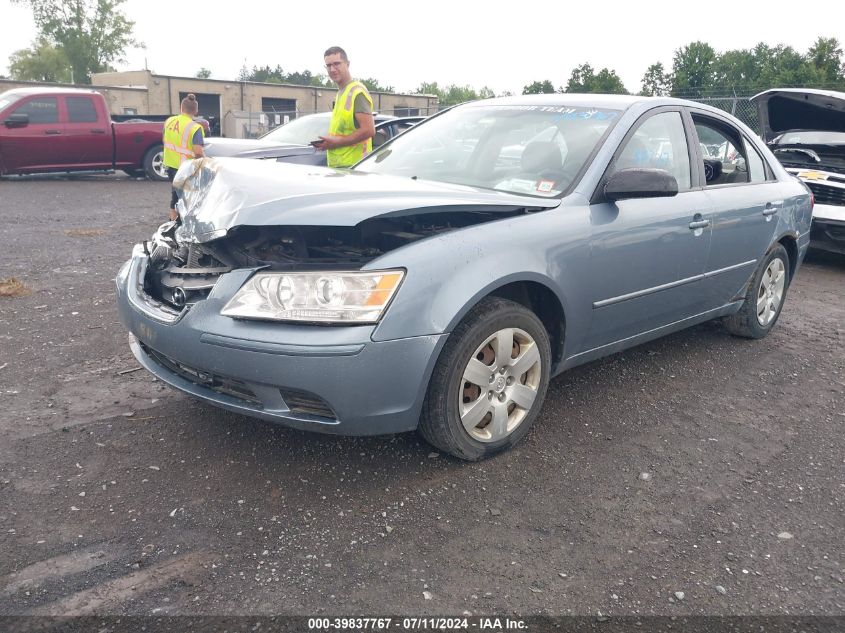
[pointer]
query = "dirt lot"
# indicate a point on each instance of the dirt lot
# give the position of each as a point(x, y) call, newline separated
point(700, 463)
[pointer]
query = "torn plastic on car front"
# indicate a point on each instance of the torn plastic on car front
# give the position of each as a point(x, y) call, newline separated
point(238, 214)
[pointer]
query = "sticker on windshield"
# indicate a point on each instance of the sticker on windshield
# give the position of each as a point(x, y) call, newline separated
point(562, 112)
point(545, 186)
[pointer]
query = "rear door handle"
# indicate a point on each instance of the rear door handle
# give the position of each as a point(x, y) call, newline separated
point(98, 131)
point(52, 132)
point(699, 224)
point(772, 208)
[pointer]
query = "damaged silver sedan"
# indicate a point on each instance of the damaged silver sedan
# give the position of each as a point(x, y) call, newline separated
point(440, 283)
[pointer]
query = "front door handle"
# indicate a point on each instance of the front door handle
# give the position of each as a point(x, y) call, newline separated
point(52, 132)
point(699, 224)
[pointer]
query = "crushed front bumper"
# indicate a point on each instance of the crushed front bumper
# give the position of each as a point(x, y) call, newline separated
point(331, 379)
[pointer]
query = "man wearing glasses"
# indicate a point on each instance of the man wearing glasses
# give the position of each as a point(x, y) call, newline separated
point(351, 130)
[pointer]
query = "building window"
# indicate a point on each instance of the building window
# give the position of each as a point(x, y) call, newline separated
point(403, 110)
point(278, 106)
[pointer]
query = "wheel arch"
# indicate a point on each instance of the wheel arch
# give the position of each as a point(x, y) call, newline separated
point(789, 242)
point(533, 293)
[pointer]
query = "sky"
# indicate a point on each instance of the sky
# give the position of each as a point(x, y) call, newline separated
point(503, 46)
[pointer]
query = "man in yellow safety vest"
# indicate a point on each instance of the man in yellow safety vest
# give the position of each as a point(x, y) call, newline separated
point(183, 140)
point(351, 130)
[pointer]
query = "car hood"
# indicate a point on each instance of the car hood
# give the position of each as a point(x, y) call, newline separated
point(219, 194)
point(217, 147)
point(781, 110)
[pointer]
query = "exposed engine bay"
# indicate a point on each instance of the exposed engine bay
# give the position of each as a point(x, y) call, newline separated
point(181, 272)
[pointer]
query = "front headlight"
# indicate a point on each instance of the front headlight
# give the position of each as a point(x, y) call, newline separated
point(323, 297)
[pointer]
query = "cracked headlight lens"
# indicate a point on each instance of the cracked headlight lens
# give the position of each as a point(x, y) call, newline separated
point(318, 297)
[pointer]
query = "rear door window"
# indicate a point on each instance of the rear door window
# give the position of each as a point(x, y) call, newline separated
point(756, 166)
point(81, 110)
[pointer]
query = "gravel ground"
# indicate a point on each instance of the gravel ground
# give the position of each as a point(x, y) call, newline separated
point(698, 474)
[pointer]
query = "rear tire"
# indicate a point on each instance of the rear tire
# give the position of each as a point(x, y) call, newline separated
point(153, 164)
point(489, 383)
point(765, 297)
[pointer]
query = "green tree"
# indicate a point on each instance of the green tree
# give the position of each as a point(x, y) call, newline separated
point(375, 86)
point(736, 71)
point(91, 33)
point(262, 74)
point(42, 62)
point(453, 94)
point(585, 79)
point(692, 70)
point(538, 88)
point(825, 55)
point(305, 78)
point(277, 75)
point(203, 73)
point(782, 66)
point(656, 83)
point(580, 78)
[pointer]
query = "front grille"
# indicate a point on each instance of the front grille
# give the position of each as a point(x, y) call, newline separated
point(307, 403)
point(825, 194)
point(220, 384)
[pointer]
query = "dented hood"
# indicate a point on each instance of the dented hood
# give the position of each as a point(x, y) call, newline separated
point(781, 110)
point(219, 194)
point(218, 147)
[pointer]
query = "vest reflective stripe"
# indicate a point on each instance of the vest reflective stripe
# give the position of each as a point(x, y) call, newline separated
point(178, 139)
point(343, 124)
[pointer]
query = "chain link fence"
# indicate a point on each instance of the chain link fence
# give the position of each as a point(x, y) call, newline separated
point(245, 124)
point(740, 107)
point(253, 124)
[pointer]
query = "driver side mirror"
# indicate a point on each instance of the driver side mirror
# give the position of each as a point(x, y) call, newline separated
point(17, 120)
point(640, 183)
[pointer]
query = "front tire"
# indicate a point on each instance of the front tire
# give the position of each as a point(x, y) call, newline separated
point(153, 164)
point(489, 383)
point(765, 297)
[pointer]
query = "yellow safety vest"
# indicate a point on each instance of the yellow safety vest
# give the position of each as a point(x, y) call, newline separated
point(178, 139)
point(343, 124)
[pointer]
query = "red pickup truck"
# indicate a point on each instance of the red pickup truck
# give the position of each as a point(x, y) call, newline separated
point(56, 129)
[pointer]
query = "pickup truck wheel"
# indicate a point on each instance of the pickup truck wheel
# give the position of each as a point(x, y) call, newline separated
point(154, 163)
point(489, 383)
point(765, 297)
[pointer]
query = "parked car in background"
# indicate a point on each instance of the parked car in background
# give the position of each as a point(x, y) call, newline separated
point(290, 142)
point(436, 286)
point(806, 131)
point(63, 130)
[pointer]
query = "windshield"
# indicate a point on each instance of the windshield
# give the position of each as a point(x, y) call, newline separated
point(811, 137)
point(299, 131)
point(526, 149)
